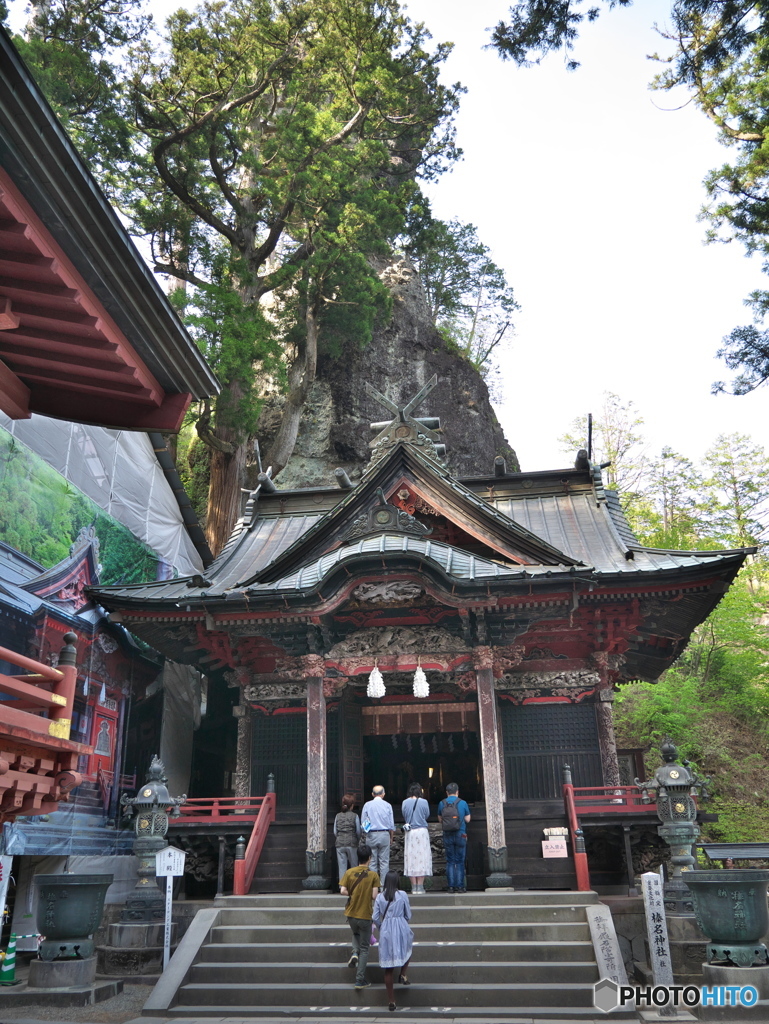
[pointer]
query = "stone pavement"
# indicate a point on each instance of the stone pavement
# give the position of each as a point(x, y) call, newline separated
point(402, 1018)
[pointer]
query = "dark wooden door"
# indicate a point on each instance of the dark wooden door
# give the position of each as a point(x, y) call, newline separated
point(279, 746)
point(352, 750)
point(539, 739)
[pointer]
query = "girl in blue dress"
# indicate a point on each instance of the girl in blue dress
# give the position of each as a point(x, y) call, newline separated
point(392, 912)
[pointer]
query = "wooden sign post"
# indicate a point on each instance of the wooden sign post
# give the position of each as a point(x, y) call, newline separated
point(169, 864)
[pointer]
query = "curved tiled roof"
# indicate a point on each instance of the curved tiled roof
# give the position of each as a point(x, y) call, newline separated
point(586, 523)
point(595, 532)
point(451, 560)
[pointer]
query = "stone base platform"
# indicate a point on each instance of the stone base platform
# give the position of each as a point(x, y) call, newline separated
point(119, 961)
point(133, 948)
point(78, 995)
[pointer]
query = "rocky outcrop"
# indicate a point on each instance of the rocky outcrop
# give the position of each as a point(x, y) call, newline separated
point(401, 357)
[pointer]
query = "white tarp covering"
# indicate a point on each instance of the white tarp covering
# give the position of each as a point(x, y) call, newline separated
point(118, 470)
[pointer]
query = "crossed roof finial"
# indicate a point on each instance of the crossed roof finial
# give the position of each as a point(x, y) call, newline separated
point(421, 433)
point(402, 414)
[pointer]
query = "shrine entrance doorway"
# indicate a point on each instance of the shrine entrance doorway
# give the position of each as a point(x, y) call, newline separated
point(429, 744)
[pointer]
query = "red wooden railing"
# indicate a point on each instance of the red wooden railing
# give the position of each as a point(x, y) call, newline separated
point(38, 765)
point(615, 800)
point(105, 779)
point(577, 838)
point(244, 869)
point(609, 799)
point(44, 697)
point(208, 810)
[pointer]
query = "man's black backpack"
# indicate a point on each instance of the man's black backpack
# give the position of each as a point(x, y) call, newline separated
point(450, 819)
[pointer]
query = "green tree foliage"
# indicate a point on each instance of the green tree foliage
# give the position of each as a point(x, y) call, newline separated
point(468, 295)
point(720, 54)
point(670, 502)
point(670, 516)
point(274, 151)
point(538, 27)
point(281, 144)
point(74, 48)
point(715, 703)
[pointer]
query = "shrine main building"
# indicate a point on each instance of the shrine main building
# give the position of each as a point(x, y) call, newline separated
point(524, 597)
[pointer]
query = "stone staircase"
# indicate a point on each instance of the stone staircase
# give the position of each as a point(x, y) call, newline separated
point(483, 955)
point(281, 866)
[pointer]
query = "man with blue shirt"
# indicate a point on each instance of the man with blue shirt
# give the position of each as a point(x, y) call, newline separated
point(378, 826)
point(454, 815)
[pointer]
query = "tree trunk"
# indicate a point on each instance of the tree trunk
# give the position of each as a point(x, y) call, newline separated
point(227, 473)
point(301, 377)
point(224, 495)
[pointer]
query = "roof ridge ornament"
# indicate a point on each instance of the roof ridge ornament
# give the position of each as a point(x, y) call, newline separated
point(422, 432)
point(382, 517)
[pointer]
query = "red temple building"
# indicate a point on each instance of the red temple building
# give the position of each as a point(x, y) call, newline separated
point(86, 335)
point(524, 597)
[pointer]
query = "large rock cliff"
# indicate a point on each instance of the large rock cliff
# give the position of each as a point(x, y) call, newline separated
point(401, 357)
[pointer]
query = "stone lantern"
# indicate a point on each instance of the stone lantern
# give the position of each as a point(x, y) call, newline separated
point(136, 941)
point(152, 806)
point(675, 788)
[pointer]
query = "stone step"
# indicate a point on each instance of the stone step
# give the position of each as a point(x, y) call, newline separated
point(279, 884)
point(407, 1014)
point(334, 932)
point(461, 972)
point(424, 912)
point(282, 955)
point(425, 952)
point(490, 898)
point(274, 853)
point(509, 994)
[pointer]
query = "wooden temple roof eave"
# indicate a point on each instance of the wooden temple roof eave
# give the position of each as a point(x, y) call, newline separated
point(50, 175)
point(721, 566)
point(559, 582)
point(385, 474)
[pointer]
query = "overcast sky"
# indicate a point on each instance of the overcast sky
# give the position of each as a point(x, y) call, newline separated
point(588, 194)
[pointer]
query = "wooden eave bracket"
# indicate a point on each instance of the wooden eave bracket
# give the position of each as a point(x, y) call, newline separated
point(14, 395)
point(9, 320)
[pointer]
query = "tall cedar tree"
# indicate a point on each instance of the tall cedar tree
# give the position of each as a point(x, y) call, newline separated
point(282, 142)
point(274, 147)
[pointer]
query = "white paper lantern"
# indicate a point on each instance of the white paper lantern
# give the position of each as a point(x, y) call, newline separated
point(421, 686)
point(376, 686)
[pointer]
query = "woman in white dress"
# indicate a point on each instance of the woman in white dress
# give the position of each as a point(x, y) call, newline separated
point(417, 856)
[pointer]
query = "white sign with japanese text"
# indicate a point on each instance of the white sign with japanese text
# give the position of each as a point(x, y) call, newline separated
point(169, 864)
point(657, 929)
point(554, 847)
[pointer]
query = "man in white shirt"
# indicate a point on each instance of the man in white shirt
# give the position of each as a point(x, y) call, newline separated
point(378, 825)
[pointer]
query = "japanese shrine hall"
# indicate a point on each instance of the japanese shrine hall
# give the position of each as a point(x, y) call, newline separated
point(524, 597)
